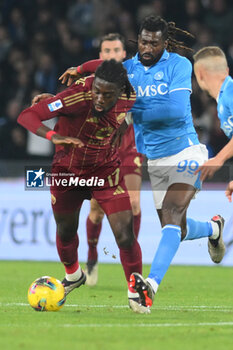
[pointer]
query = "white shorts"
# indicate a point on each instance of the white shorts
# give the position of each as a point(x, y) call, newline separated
point(178, 168)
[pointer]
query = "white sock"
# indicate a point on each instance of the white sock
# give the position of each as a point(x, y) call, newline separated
point(153, 284)
point(74, 276)
point(132, 295)
point(215, 227)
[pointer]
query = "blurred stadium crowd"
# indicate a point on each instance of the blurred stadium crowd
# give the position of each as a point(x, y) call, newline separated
point(39, 39)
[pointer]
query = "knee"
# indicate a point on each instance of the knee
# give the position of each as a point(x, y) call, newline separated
point(66, 230)
point(172, 214)
point(126, 240)
point(124, 235)
point(96, 215)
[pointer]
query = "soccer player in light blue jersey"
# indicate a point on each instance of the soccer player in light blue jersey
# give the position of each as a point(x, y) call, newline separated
point(164, 131)
point(212, 73)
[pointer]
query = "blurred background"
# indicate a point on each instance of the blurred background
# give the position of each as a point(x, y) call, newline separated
point(40, 39)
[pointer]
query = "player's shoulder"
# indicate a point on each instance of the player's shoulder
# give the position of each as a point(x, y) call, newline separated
point(84, 83)
point(79, 91)
point(177, 60)
point(128, 64)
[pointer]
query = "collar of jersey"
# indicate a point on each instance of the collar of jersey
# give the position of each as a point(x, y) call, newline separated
point(164, 57)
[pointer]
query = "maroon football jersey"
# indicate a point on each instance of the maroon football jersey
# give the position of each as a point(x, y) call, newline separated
point(73, 107)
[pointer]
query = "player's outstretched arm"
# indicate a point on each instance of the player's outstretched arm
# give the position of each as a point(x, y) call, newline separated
point(209, 168)
point(74, 73)
point(57, 139)
point(31, 119)
point(229, 191)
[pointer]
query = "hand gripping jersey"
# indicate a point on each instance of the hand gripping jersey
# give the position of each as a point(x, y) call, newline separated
point(162, 113)
point(225, 107)
point(74, 107)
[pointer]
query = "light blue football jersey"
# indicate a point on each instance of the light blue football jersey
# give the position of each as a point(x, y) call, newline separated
point(225, 106)
point(153, 85)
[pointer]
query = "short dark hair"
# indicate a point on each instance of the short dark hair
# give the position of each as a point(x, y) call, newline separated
point(114, 72)
point(208, 51)
point(155, 24)
point(169, 31)
point(112, 37)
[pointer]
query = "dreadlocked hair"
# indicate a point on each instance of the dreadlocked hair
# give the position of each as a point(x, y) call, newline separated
point(169, 32)
point(114, 72)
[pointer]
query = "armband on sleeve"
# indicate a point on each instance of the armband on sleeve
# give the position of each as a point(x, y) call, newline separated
point(80, 69)
point(49, 134)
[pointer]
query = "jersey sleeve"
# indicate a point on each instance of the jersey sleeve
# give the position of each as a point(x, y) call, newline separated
point(63, 104)
point(91, 66)
point(181, 75)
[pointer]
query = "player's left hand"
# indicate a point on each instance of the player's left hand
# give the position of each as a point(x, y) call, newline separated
point(66, 140)
point(229, 191)
point(209, 168)
point(69, 76)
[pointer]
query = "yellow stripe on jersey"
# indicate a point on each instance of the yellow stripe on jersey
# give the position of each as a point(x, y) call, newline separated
point(121, 116)
point(74, 96)
point(67, 104)
point(132, 98)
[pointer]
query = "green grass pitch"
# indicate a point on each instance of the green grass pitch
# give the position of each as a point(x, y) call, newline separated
point(193, 309)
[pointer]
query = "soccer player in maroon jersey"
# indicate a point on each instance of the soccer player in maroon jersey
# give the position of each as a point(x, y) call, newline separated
point(89, 113)
point(112, 46)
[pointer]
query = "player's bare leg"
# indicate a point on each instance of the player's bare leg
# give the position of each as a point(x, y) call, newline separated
point(175, 227)
point(67, 246)
point(130, 253)
point(93, 226)
point(133, 184)
point(172, 217)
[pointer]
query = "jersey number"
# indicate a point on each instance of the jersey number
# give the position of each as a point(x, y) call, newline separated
point(187, 165)
point(113, 179)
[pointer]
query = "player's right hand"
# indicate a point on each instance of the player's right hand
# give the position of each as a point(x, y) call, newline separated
point(40, 97)
point(66, 140)
point(69, 76)
point(229, 191)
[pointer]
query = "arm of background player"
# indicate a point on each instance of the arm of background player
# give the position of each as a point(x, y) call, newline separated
point(74, 73)
point(213, 164)
point(32, 117)
point(174, 108)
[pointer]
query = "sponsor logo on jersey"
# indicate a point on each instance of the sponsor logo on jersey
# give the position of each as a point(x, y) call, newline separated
point(152, 90)
point(54, 106)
